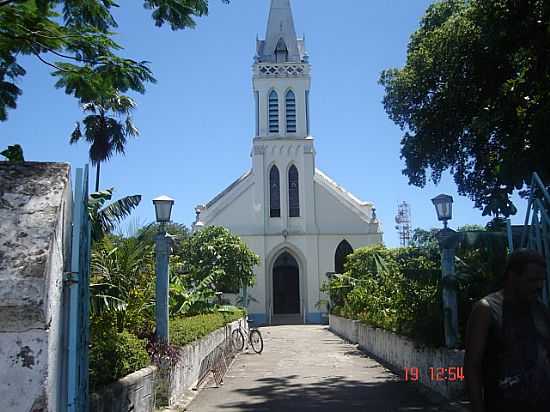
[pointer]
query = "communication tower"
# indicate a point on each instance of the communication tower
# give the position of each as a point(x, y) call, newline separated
point(403, 220)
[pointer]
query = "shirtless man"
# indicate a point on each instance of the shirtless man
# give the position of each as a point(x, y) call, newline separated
point(507, 362)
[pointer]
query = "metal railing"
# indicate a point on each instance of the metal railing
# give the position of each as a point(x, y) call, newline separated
point(217, 362)
point(536, 229)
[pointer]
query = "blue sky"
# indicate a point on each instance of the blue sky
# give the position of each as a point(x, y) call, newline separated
point(197, 122)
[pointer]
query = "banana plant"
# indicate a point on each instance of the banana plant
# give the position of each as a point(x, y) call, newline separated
point(104, 219)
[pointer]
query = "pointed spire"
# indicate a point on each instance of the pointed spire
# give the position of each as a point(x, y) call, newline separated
point(280, 32)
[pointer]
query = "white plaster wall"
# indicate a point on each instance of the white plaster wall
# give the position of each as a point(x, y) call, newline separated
point(283, 153)
point(334, 217)
point(234, 211)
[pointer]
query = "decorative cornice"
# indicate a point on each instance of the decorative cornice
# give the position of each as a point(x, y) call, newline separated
point(258, 149)
point(267, 70)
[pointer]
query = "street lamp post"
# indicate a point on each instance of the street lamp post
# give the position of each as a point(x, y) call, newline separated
point(444, 208)
point(163, 210)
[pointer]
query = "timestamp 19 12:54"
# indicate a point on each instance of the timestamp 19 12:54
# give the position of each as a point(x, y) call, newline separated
point(450, 374)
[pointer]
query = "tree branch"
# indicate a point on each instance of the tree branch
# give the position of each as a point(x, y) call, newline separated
point(35, 42)
point(37, 54)
point(6, 2)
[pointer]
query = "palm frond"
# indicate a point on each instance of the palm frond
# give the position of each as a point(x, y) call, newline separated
point(129, 128)
point(111, 215)
point(105, 219)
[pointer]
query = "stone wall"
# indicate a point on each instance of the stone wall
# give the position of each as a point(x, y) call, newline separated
point(135, 392)
point(399, 353)
point(35, 212)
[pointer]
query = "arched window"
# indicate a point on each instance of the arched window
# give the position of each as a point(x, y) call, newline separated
point(273, 112)
point(274, 193)
point(344, 249)
point(290, 112)
point(293, 193)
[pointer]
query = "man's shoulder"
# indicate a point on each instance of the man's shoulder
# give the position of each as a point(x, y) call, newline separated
point(491, 300)
point(483, 306)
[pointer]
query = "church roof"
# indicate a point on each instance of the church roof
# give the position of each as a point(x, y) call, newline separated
point(228, 189)
point(280, 34)
point(364, 208)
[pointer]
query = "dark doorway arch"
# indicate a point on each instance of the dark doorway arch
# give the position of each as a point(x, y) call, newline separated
point(286, 285)
point(344, 249)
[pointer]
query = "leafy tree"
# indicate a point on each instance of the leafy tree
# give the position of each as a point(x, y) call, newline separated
point(79, 37)
point(474, 96)
point(425, 238)
point(471, 228)
point(178, 231)
point(106, 134)
point(215, 251)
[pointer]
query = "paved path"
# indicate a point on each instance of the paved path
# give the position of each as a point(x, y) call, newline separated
point(308, 368)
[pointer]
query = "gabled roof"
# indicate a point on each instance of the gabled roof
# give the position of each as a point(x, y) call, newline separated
point(228, 189)
point(345, 197)
point(280, 31)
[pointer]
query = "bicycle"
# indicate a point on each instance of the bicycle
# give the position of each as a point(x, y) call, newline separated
point(253, 335)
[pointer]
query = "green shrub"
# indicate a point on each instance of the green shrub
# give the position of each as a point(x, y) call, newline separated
point(114, 354)
point(189, 329)
point(400, 289)
point(394, 289)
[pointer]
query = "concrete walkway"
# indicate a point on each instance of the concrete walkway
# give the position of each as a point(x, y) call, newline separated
point(308, 368)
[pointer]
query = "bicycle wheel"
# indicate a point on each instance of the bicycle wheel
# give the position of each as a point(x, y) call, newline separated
point(237, 339)
point(256, 341)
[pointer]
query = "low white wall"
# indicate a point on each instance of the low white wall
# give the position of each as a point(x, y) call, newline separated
point(186, 373)
point(400, 352)
point(135, 392)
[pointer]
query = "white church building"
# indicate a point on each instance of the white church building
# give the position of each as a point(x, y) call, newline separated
point(299, 221)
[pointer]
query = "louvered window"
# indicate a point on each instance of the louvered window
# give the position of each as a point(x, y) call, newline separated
point(274, 193)
point(293, 193)
point(290, 112)
point(273, 112)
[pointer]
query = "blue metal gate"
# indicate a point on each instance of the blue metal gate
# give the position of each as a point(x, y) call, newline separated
point(78, 298)
point(536, 230)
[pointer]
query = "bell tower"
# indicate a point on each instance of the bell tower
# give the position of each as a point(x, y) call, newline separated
point(283, 154)
point(281, 78)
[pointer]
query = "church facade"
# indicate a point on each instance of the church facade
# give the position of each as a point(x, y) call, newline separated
point(298, 220)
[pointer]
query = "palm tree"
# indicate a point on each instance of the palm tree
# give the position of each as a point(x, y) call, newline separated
point(106, 134)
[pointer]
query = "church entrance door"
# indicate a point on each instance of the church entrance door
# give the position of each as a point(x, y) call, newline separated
point(286, 285)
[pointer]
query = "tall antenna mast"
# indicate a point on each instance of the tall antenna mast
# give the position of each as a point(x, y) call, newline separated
point(404, 226)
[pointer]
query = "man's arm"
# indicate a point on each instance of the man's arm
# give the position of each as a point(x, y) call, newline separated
point(476, 339)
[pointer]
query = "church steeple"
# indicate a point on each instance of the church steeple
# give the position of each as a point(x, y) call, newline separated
point(281, 78)
point(280, 35)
